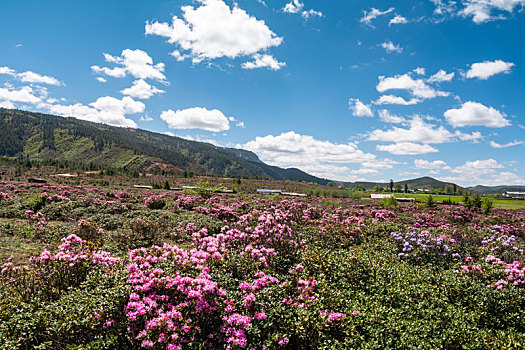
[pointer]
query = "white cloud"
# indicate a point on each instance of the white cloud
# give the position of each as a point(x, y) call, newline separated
point(126, 105)
point(373, 13)
point(146, 118)
point(294, 6)
point(141, 89)
point(169, 133)
point(263, 61)
point(102, 80)
point(7, 70)
point(478, 167)
point(214, 30)
point(486, 69)
point(32, 77)
point(441, 76)
point(365, 171)
point(474, 137)
point(105, 110)
point(201, 138)
point(510, 144)
point(444, 8)
point(137, 63)
point(419, 131)
point(240, 125)
point(24, 94)
point(385, 163)
point(416, 87)
point(7, 104)
point(398, 19)
point(359, 109)
point(387, 117)
point(320, 158)
point(476, 114)
point(432, 165)
point(481, 11)
point(406, 148)
point(390, 47)
point(420, 71)
point(311, 13)
point(395, 100)
point(196, 118)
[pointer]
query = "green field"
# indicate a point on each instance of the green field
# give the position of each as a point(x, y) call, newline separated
point(498, 203)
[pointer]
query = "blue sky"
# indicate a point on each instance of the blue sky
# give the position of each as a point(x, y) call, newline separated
point(346, 90)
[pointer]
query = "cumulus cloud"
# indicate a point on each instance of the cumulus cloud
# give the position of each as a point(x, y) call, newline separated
point(476, 114)
point(141, 89)
point(126, 105)
point(25, 94)
point(420, 71)
point(441, 76)
point(419, 132)
point(107, 110)
point(510, 144)
point(359, 109)
point(390, 47)
point(416, 138)
point(136, 63)
point(416, 87)
point(196, 118)
point(296, 6)
point(406, 148)
point(395, 100)
point(311, 13)
point(214, 30)
point(486, 69)
point(432, 165)
point(30, 77)
point(317, 157)
point(7, 104)
point(398, 19)
point(478, 167)
point(7, 70)
point(387, 117)
point(483, 11)
point(373, 13)
point(263, 61)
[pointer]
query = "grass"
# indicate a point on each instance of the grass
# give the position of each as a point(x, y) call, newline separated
point(498, 203)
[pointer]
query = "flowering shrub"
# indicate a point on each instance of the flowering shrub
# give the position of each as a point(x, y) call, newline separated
point(250, 272)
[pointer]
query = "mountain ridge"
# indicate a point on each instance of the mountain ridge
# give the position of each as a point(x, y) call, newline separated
point(38, 136)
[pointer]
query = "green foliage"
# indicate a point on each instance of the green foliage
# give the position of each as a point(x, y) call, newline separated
point(467, 202)
point(389, 202)
point(36, 202)
point(56, 140)
point(205, 190)
point(430, 202)
point(476, 201)
point(487, 203)
point(89, 231)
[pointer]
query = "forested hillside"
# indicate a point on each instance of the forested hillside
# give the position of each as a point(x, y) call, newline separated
point(42, 137)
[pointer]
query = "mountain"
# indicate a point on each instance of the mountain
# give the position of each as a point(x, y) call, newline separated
point(427, 181)
point(495, 189)
point(44, 137)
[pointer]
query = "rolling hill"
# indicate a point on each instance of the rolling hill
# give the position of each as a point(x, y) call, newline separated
point(496, 189)
point(43, 137)
point(420, 182)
